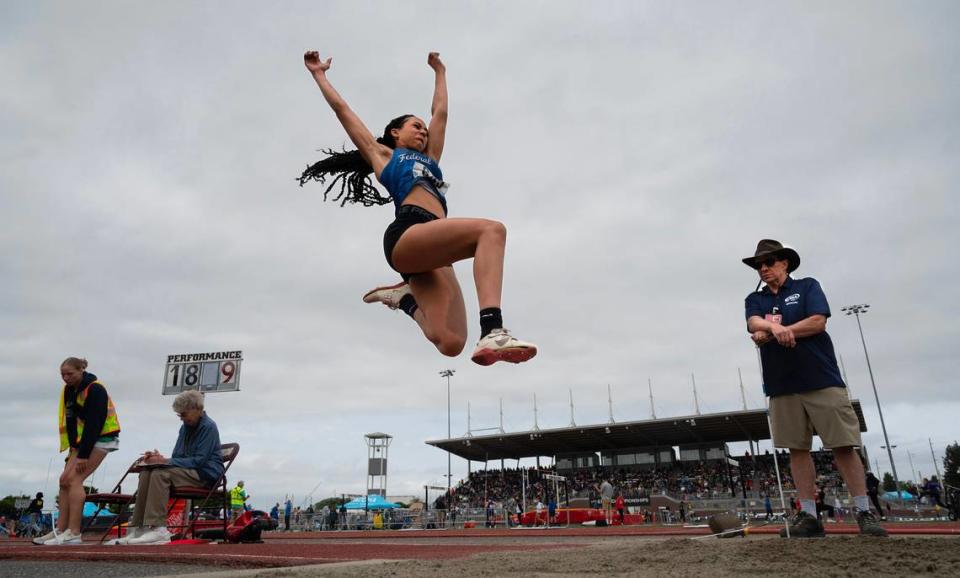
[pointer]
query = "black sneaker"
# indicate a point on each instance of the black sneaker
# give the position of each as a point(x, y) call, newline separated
point(869, 525)
point(804, 525)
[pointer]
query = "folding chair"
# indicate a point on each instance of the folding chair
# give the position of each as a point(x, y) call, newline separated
point(114, 497)
point(201, 496)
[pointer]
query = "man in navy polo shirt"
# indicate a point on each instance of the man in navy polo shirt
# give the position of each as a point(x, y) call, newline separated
point(787, 319)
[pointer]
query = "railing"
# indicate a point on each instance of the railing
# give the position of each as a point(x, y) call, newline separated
point(416, 519)
point(696, 511)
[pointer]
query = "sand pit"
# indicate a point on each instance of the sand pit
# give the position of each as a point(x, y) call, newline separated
point(757, 555)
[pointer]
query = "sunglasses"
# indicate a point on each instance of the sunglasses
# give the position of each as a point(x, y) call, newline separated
point(768, 262)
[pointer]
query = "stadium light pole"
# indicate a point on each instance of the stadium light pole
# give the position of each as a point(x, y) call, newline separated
point(937, 467)
point(856, 310)
point(893, 447)
point(913, 471)
point(448, 373)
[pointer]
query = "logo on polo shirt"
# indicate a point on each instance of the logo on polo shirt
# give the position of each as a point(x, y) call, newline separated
point(792, 299)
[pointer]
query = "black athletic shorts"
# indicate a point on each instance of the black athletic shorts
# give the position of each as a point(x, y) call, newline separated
point(407, 216)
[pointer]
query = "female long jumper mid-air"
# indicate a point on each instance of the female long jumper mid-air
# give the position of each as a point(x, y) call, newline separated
point(422, 243)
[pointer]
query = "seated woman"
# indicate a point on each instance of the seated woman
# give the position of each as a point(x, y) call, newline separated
point(196, 461)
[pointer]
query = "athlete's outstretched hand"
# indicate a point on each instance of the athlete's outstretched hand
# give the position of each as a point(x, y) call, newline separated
point(313, 63)
point(433, 59)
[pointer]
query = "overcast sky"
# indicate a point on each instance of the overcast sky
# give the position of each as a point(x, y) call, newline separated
point(636, 151)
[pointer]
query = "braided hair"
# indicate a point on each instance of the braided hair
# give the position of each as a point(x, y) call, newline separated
point(352, 172)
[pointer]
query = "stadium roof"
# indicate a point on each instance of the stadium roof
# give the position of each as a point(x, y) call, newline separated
point(728, 427)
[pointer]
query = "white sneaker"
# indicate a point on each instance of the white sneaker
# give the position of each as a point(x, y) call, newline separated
point(39, 540)
point(389, 296)
point(499, 345)
point(66, 538)
point(132, 532)
point(158, 535)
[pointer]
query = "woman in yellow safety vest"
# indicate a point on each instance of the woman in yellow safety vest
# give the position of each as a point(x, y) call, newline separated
point(238, 499)
point(90, 430)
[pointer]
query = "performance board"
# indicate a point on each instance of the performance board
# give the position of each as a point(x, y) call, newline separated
point(205, 372)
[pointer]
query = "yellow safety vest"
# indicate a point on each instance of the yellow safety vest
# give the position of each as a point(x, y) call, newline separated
point(237, 496)
point(111, 425)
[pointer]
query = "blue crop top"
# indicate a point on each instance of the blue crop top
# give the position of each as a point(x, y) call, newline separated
point(408, 168)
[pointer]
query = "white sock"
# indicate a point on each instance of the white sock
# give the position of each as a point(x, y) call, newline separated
point(861, 503)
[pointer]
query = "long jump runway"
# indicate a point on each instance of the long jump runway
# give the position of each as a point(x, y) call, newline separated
point(287, 550)
point(301, 549)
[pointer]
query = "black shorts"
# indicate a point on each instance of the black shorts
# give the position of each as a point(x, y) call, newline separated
point(407, 216)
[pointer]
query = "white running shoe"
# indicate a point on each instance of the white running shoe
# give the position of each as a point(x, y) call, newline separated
point(389, 296)
point(132, 532)
point(39, 540)
point(499, 345)
point(159, 535)
point(66, 538)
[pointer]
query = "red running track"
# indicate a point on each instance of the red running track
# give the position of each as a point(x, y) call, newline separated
point(904, 529)
point(296, 549)
point(272, 553)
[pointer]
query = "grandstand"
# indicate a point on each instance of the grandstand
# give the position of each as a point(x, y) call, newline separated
point(701, 434)
point(656, 463)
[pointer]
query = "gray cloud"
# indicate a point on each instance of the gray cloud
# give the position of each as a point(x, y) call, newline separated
point(636, 153)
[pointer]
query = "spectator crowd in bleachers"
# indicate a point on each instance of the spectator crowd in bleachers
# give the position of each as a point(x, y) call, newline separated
point(754, 477)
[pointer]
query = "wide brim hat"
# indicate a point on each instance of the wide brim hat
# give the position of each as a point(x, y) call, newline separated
point(771, 248)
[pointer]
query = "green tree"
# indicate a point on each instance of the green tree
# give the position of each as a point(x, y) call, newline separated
point(333, 503)
point(951, 465)
point(7, 507)
point(888, 484)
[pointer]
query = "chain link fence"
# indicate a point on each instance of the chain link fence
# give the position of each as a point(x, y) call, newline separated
point(421, 519)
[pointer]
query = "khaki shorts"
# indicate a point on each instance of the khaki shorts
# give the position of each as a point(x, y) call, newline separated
point(828, 413)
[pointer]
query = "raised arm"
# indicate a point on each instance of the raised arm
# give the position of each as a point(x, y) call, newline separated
point(438, 109)
point(376, 154)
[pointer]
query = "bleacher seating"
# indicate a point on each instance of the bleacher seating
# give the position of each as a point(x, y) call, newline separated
point(690, 481)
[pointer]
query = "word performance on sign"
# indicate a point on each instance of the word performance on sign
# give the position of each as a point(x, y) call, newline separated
point(206, 372)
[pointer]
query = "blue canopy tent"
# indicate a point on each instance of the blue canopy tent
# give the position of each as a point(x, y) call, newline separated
point(372, 502)
point(904, 495)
